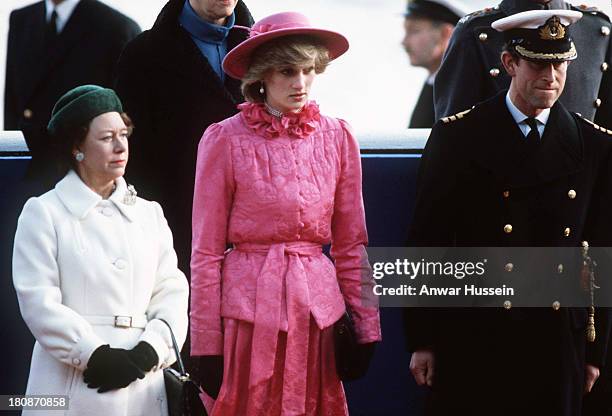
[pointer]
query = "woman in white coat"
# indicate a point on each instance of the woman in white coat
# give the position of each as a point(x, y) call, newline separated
point(95, 271)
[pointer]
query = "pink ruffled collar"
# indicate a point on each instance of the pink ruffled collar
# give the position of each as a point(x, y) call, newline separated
point(296, 125)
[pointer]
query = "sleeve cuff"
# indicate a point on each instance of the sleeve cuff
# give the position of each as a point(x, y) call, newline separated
point(81, 352)
point(162, 346)
point(206, 342)
point(368, 330)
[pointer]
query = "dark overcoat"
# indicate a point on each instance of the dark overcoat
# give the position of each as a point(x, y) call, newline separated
point(472, 70)
point(172, 94)
point(423, 115)
point(477, 175)
point(86, 52)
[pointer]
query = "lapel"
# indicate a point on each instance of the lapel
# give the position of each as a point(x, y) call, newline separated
point(74, 31)
point(35, 41)
point(502, 149)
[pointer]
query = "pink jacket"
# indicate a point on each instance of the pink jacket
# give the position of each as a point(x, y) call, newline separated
point(278, 190)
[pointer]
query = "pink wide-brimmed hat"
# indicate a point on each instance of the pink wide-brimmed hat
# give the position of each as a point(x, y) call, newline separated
point(237, 61)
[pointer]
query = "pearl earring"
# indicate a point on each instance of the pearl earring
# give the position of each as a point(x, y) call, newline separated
point(261, 89)
point(80, 156)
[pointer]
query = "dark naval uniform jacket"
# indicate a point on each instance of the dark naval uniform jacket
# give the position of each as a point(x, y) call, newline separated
point(423, 115)
point(472, 70)
point(478, 176)
point(172, 95)
point(85, 52)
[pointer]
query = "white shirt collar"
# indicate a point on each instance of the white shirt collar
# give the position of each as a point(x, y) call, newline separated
point(519, 117)
point(431, 78)
point(64, 11)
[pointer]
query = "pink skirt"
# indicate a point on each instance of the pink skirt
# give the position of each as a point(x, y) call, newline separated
point(324, 391)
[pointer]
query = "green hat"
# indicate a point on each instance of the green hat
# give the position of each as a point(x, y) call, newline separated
point(80, 105)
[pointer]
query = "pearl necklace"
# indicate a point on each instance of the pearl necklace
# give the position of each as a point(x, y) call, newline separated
point(272, 111)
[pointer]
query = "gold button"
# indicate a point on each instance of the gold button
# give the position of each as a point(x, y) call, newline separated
point(605, 30)
point(604, 67)
point(560, 268)
point(556, 305)
point(494, 72)
point(483, 37)
point(508, 228)
point(571, 194)
point(27, 113)
point(597, 103)
point(507, 304)
point(506, 194)
point(509, 267)
point(567, 232)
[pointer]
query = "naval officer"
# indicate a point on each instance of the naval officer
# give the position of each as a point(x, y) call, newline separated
point(472, 71)
point(517, 170)
point(428, 26)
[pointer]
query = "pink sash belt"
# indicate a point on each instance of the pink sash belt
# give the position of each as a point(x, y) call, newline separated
point(283, 266)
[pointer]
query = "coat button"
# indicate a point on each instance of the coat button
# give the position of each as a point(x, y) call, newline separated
point(560, 269)
point(120, 264)
point(604, 67)
point(483, 37)
point(571, 194)
point(301, 224)
point(605, 30)
point(27, 113)
point(508, 228)
point(506, 194)
point(298, 237)
point(494, 72)
point(76, 361)
point(509, 267)
point(507, 304)
point(556, 305)
point(567, 232)
point(597, 103)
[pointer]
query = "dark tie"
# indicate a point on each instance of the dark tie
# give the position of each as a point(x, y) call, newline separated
point(51, 30)
point(533, 138)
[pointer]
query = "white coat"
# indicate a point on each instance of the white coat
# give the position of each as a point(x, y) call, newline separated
point(78, 262)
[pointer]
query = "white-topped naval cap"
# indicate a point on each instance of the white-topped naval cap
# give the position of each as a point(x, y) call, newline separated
point(533, 19)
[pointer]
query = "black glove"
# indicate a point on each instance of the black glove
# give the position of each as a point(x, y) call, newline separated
point(211, 374)
point(110, 368)
point(144, 356)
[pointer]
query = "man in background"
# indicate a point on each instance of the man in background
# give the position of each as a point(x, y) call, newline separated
point(171, 84)
point(428, 26)
point(54, 46)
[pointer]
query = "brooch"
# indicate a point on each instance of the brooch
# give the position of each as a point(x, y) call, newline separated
point(130, 195)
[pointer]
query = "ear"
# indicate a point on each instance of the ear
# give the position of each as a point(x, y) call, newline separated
point(509, 63)
point(447, 32)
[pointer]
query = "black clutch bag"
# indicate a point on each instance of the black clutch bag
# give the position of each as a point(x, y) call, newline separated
point(182, 393)
point(352, 359)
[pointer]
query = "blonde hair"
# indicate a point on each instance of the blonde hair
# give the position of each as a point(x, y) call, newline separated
point(287, 50)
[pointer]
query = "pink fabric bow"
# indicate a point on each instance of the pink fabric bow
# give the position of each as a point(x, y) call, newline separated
point(266, 326)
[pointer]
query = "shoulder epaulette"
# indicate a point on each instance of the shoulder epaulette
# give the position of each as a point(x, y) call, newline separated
point(455, 117)
point(595, 126)
point(478, 13)
point(592, 10)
